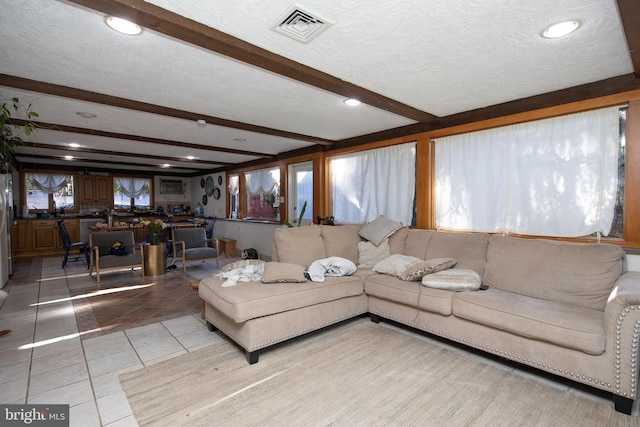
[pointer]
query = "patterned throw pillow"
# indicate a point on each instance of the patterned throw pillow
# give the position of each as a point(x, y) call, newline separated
point(418, 271)
point(395, 264)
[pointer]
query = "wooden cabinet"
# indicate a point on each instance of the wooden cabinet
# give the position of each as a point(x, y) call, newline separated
point(96, 188)
point(41, 236)
point(45, 235)
point(21, 237)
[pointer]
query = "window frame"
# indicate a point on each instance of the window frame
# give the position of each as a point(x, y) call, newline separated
point(23, 190)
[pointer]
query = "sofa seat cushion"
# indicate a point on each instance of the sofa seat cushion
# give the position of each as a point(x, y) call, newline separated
point(412, 294)
point(110, 261)
point(561, 324)
point(249, 300)
point(198, 253)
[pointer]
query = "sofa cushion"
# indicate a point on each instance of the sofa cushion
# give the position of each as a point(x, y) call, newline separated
point(341, 241)
point(468, 249)
point(411, 294)
point(421, 269)
point(397, 240)
point(249, 300)
point(453, 280)
point(299, 245)
point(581, 274)
point(379, 229)
point(369, 254)
point(281, 272)
point(395, 264)
point(561, 324)
point(417, 241)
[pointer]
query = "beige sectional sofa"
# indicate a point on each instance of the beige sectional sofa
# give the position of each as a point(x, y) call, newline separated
point(565, 308)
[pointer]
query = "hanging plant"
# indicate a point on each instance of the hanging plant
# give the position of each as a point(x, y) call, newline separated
point(10, 131)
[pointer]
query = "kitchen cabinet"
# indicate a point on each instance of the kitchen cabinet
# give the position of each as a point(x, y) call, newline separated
point(45, 235)
point(21, 238)
point(41, 236)
point(96, 188)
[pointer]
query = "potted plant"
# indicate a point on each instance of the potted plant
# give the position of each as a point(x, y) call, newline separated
point(10, 131)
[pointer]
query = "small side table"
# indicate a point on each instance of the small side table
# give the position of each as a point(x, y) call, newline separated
point(154, 259)
point(195, 284)
point(228, 246)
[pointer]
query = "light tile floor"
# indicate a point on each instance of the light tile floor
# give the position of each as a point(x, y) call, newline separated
point(47, 359)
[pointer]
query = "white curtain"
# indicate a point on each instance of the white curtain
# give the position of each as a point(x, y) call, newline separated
point(48, 183)
point(376, 182)
point(553, 177)
point(132, 187)
point(234, 181)
point(262, 181)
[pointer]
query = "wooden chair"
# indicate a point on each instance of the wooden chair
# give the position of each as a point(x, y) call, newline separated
point(67, 244)
point(102, 258)
point(191, 244)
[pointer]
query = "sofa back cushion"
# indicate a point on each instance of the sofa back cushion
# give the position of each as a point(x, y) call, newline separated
point(581, 274)
point(468, 249)
point(397, 240)
point(416, 242)
point(299, 245)
point(341, 241)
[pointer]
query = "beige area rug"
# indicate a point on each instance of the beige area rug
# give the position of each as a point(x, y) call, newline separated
point(355, 374)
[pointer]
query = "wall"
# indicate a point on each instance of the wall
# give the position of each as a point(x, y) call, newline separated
point(248, 235)
point(213, 207)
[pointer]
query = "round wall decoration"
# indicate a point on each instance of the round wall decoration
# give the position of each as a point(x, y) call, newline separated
point(216, 193)
point(205, 199)
point(220, 180)
point(208, 187)
point(201, 182)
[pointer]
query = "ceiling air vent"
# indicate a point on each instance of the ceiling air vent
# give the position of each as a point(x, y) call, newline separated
point(301, 25)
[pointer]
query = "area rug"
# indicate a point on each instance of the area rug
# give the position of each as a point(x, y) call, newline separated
point(354, 374)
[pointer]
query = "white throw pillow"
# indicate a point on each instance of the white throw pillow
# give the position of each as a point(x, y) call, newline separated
point(379, 229)
point(396, 264)
point(369, 254)
point(453, 280)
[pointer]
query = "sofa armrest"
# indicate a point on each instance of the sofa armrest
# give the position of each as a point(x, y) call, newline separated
point(622, 327)
point(214, 243)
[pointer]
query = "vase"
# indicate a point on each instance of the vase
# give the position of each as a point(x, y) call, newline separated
point(154, 260)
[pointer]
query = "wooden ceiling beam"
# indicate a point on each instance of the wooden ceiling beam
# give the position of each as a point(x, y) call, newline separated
point(629, 11)
point(171, 24)
point(94, 132)
point(114, 101)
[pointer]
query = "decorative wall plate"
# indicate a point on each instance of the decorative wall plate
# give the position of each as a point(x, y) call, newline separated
point(216, 193)
point(208, 186)
point(205, 199)
point(220, 180)
point(201, 182)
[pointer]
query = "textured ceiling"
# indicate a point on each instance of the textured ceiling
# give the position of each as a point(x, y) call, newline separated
point(440, 58)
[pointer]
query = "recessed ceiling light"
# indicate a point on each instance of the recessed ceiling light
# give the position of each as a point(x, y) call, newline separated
point(166, 165)
point(123, 26)
point(190, 157)
point(240, 139)
point(73, 145)
point(201, 123)
point(352, 102)
point(68, 157)
point(86, 115)
point(560, 29)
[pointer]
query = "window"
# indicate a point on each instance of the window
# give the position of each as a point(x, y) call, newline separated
point(131, 192)
point(44, 191)
point(300, 192)
point(263, 194)
point(553, 177)
point(376, 182)
point(234, 195)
